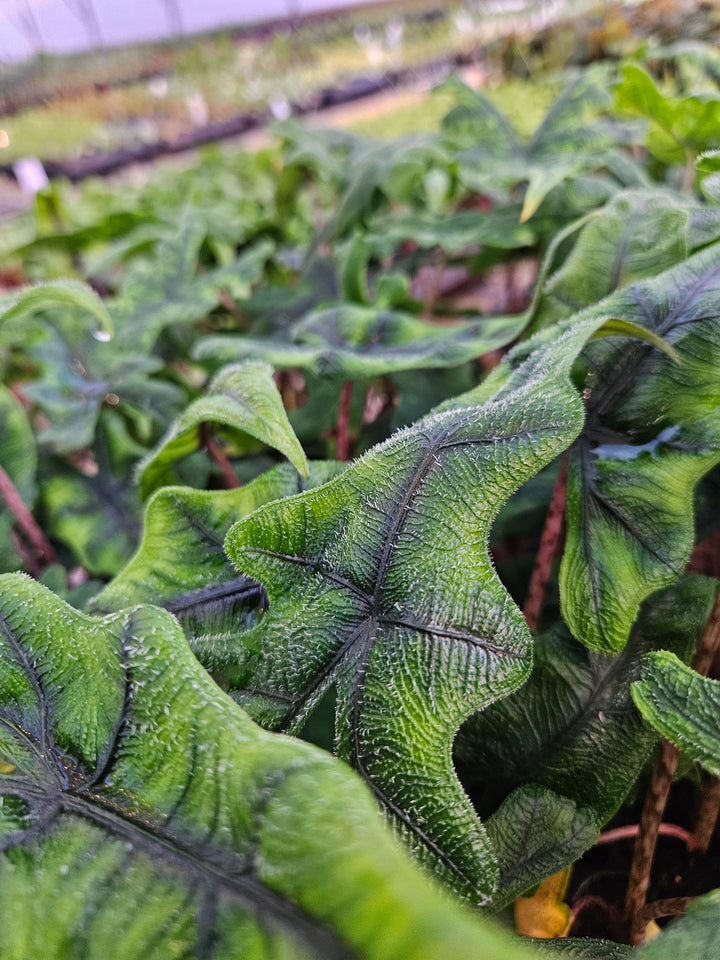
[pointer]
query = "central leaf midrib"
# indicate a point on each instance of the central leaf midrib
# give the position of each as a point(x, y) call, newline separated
point(245, 886)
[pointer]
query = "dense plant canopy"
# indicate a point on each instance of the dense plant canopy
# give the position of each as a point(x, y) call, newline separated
point(185, 384)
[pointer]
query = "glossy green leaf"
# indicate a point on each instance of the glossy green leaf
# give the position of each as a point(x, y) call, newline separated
point(573, 727)
point(535, 834)
point(380, 583)
point(683, 706)
point(652, 432)
point(241, 402)
point(695, 934)
point(352, 341)
point(70, 293)
point(181, 565)
point(142, 814)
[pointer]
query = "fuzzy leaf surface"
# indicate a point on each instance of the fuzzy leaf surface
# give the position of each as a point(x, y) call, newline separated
point(573, 727)
point(535, 834)
point(241, 402)
point(639, 234)
point(194, 579)
point(652, 432)
point(683, 706)
point(143, 814)
point(380, 582)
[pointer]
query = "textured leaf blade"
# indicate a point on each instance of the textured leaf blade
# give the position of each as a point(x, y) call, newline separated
point(380, 582)
point(683, 706)
point(639, 234)
point(241, 400)
point(65, 292)
point(145, 815)
point(195, 580)
point(573, 727)
point(652, 432)
point(535, 834)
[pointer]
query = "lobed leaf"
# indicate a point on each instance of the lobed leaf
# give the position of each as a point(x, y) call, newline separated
point(181, 564)
point(380, 582)
point(142, 814)
point(241, 402)
point(683, 706)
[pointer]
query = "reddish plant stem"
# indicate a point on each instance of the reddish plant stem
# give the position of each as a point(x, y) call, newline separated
point(342, 434)
point(672, 907)
point(656, 799)
point(707, 817)
point(547, 550)
point(25, 520)
point(709, 644)
point(219, 456)
point(644, 851)
point(632, 830)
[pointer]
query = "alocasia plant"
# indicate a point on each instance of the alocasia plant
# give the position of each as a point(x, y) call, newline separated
point(142, 813)
point(373, 554)
point(180, 827)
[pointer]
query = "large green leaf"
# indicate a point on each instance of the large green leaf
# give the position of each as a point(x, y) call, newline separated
point(351, 341)
point(683, 706)
point(570, 141)
point(96, 517)
point(639, 234)
point(242, 402)
point(573, 727)
point(652, 432)
point(380, 582)
point(142, 814)
point(534, 834)
point(168, 289)
point(499, 229)
point(679, 127)
point(181, 565)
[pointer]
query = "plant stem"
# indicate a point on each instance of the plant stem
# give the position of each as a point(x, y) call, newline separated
point(219, 456)
point(657, 795)
point(707, 817)
point(547, 551)
point(25, 520)
point(632, 830)
point(655, 802)
point(342, 434)
point(672, 907)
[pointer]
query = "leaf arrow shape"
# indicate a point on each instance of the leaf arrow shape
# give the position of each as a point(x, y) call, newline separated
point(380, 582)
point(142, 814)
